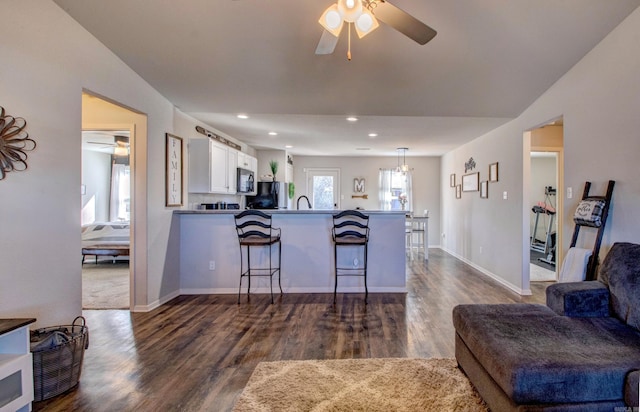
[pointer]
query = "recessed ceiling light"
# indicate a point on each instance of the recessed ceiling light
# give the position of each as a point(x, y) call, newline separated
point(242, 116)
point(273, 133)
point(373, 134)
point(352, 119)
point(288, 146)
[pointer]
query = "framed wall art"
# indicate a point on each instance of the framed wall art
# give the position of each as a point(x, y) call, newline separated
point(173, 171)
point(484, 189)
point(458, 191)
point(452, 180)
point(470, 182)
point(493, 172)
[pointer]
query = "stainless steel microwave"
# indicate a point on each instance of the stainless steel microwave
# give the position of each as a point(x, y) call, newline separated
point(246, 181)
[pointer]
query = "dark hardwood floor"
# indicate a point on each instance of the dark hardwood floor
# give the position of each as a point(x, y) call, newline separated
point(196, 353)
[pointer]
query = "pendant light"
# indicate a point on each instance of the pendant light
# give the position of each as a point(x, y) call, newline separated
point(404, 168)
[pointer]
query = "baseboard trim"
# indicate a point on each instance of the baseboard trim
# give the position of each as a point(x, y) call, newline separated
point(157, 303)
point(501, 281)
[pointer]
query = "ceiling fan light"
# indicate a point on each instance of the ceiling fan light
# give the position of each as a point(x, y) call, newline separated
point(121, 151)
point(350, 10)
point(331, 20)
point(366, 23)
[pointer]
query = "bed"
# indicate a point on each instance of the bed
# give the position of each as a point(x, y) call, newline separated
point(105, 239)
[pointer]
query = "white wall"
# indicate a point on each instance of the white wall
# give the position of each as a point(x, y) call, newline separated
point(96, 176)
point(426, 182)
point(598, 99)
point(48, 59)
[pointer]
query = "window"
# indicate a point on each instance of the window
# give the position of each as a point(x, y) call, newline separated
point(120, 201)
point(395, 190)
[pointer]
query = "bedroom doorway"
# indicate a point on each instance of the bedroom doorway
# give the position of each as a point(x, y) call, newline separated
point(111, 216)
point(105, 219)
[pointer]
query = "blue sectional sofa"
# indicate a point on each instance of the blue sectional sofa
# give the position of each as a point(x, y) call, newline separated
point(580, 352)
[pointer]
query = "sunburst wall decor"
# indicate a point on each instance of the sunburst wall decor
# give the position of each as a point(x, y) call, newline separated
point(14, 143)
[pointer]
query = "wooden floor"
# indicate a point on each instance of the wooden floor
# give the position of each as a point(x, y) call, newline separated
point(196, 353)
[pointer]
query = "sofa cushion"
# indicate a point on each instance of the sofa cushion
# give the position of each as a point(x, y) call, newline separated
point(631, 389)
point(621, 272)
point(579, 299)
point(536, 356)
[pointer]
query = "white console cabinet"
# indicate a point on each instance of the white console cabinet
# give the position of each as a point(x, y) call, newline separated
point(16, 366)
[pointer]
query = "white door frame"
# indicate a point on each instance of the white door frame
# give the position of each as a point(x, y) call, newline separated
point(526, 223)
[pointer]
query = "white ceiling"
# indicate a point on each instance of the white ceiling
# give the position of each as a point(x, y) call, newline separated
point(214, 59)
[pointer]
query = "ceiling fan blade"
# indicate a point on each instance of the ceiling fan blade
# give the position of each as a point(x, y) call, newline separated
point(403, 22)
point(327, 43)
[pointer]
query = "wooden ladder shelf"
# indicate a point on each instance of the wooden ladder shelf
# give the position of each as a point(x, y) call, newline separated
point(593, 259)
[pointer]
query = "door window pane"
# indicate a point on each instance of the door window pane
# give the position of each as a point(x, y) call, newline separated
point(323, 192)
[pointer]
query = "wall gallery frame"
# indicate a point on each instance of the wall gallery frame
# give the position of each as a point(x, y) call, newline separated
point(470, 182)
point(458, 191)
point(173, 170)
point(452, 180)
point(484, 189)
point(493, 172)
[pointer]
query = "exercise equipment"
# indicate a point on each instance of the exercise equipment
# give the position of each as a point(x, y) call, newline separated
point(546, 209)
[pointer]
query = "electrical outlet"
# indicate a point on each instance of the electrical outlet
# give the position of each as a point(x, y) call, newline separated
point(505, 196)
point(480, 249)
point(212, 265)
point(569, 192)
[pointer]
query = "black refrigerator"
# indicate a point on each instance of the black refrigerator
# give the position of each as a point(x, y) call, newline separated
point(269, 195)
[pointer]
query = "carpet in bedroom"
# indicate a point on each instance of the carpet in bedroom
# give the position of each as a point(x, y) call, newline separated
point(105, 285)
point(371, 385)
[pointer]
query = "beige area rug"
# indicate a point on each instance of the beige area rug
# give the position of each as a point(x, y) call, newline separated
point(540, 274)
point(359, 385)
point(105, 285)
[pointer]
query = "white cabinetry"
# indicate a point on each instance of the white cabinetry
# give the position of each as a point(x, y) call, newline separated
point(212, 167)
point(16, 365)
point(248, 162)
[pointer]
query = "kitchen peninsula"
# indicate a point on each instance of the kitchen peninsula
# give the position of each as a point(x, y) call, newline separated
point(210, 255)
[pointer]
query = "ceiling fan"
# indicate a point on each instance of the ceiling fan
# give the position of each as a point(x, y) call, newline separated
point(364, 15)
point(120, 144)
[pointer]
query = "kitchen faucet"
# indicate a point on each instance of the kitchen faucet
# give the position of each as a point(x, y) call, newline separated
point(308, 202)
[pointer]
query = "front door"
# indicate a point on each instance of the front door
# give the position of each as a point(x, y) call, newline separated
point(323, 188)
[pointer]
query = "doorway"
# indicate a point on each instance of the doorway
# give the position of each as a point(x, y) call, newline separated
point(108, 117)
point(323, 188)
point(543, 210)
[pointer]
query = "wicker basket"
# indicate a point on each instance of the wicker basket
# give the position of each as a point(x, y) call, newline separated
point(57, 369)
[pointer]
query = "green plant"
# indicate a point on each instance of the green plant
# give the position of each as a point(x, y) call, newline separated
point(273, 165)
point(292, 190)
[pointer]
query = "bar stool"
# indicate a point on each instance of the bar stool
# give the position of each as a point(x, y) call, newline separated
point(408, 235)
point(255, 231)
point(350, 229)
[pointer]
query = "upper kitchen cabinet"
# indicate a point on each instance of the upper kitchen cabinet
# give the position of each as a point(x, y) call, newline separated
point(248, 162)
point(212, 167)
